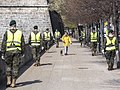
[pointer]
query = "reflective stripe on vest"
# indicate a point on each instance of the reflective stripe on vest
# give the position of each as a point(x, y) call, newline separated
point(35, 39)
point(110, 45)
point(93, 37)
point(13, 40)
point(57, 34)
point(47, 35)
point(83, 34)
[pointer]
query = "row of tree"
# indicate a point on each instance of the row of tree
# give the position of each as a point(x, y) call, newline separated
point(84, 11)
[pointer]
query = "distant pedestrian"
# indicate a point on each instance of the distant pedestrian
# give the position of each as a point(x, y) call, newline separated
point(35, 42)
point(94, 39)
point(66, 42)
point(82, 38)
point(47, 37)
point(57, 36)
point(110, 49)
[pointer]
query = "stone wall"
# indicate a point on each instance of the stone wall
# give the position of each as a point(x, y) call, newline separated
point(27, 13)
point(22, 2)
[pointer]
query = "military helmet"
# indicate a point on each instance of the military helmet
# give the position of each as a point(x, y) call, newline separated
point(35, 27)
point(47, 29)
point(93, 29)
point(12, 22)
point(56, 30)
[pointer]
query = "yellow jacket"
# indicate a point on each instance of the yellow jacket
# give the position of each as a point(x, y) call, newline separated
point(67, 40)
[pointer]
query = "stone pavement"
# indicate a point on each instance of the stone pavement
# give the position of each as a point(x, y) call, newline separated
point(77, 71)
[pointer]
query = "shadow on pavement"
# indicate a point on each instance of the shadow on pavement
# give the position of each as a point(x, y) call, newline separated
point(72, 54)
point(52, 52)
point(46, 64)
point(27, 83)
point(83, 68)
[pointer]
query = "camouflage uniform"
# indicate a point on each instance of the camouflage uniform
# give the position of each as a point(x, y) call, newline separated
point(82, 38)
point(12, 58)
point(36, 50)
point(47, 40)
point(94, 40)
point(57, 38)
point(111, 52)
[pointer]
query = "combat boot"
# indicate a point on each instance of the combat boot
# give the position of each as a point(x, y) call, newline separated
point(92, 53)
point(38, 64)
point(35, 64)
point(95, 53)
point(109, 67)
point(8, 81)
point(13, 83)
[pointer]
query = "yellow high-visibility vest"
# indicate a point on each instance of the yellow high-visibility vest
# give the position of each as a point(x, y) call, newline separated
point(110, 45)
point(106, 32)
point(57, 34)
point(47, 35)
point(83, 34)
point(13, 40)
point(35, 39)
point(93, 37)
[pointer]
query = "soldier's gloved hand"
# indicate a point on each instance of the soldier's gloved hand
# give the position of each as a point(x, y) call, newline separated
point(30, 46)
point(54, 39)
point(3, 57)
point(117, 52)
point(103, 51)
point(23, 55)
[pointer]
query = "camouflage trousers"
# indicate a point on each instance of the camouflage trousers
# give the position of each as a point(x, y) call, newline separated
point(36, 54)
point(82, 42)
point(110, 55)
point(57, 42)
point(94, 47)
point(12, 64)
point(47, 44)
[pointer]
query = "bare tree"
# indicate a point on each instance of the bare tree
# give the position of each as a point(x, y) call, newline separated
point(85, 11)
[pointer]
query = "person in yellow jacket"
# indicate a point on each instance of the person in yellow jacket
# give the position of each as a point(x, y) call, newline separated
point(35, 42)
point(12, 48)
point(66, 42)
point(110, 49)
point(94, 39)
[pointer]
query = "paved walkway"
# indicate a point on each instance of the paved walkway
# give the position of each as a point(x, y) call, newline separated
point(77, 71)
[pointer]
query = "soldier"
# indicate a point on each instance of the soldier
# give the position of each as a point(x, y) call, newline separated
point(110, 49)
point(57, 37)
point(82, 38)
point(12, 48)
point(35, 42)
point(66, 42)
point(47, 38)
point(93, 37)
